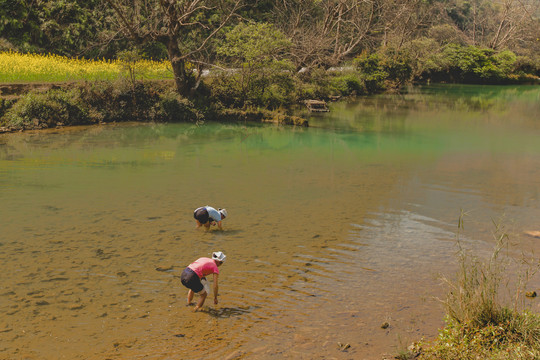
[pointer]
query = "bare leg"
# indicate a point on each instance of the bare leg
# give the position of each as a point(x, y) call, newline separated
point(207, 225)
point(203, 295)
point(189, 296)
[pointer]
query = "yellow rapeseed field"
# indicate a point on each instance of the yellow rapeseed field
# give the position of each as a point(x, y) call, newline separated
point(16, 67)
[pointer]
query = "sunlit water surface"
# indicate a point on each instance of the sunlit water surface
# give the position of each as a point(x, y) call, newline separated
point(333, 230)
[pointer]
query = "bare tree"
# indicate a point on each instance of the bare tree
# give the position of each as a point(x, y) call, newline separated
point(405, 20)
point(498, 24)
point(326, 32)
point(514, 18)
point(185, 27)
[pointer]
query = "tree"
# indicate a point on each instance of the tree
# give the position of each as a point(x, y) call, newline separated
point(19, 24)
point(262, 73)
point(324, 33)
point(405, 20)
point(497, 24)
point(185, 27)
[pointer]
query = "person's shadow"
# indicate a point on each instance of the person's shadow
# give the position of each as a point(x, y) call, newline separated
point(216, 231)
point(225, 312)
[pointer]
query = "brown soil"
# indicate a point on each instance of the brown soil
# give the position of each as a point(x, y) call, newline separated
point(16, 90)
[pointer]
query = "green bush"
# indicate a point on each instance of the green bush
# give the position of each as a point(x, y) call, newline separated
point(5, 105)
point(52, 108)
point(420, 52)
point(120, 100)
point(314, 84)
point(471, 64)
point(525, 65)
point(171, 107)
point(348, 84)
point(372, 72)
point(270, 87)
point(398, 66)
point(98, 102)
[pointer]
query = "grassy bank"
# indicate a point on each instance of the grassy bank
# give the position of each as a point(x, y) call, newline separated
point(92, 92)
point(87, 103)
point(134, 89)
point(479, 323)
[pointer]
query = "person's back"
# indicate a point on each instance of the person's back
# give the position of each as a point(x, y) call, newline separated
point(204, 266)
point(207, 215)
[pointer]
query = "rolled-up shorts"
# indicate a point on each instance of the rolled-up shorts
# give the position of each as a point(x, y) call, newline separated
point(201, 215)
point(191, 280)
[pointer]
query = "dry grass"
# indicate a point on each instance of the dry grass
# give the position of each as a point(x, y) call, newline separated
point(478, 324)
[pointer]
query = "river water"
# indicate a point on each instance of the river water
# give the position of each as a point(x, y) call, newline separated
point(333, 230)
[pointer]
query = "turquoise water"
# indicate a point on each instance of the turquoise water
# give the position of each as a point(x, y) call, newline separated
point(333, 229)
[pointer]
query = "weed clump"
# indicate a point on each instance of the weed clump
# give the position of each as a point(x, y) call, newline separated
point(478, 324)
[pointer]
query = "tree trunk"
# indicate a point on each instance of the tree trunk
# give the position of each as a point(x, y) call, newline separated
point(178, 63)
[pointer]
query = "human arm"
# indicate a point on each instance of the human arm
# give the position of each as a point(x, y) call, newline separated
point(215, 288)
point(219, 225)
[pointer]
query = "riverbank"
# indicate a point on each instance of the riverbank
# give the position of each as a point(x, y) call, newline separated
point(97, 92)
point(32, 106)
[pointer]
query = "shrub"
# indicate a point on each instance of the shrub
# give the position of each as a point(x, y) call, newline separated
point(528, 66)
point(471, 64)
point(372, 72)
point(171, 107)
point(120, 100)
point(5, 105)
point(505, 62)
point(348, 84)
point(38, 110)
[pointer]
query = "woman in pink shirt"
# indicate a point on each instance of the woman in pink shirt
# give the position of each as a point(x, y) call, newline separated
point(197, 271)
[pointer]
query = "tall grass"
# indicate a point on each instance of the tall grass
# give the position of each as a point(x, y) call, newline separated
point(16, 67)
point(479, 323)
point(472, 296)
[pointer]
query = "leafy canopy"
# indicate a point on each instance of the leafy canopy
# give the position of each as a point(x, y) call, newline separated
point(260, 42)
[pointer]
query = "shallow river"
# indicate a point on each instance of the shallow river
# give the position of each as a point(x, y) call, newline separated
point(333, 230)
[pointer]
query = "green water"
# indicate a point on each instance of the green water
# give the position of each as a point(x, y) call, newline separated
point(332, 229)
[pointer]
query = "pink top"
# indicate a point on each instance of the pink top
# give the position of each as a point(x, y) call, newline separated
point(204, 266)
